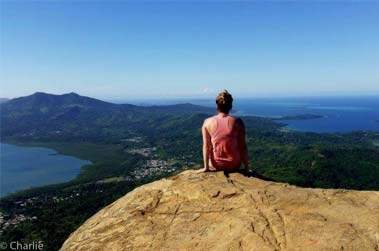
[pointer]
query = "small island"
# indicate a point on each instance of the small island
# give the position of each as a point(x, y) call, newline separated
point(300, 117)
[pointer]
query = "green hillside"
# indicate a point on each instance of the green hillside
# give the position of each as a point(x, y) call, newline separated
point(130, 145)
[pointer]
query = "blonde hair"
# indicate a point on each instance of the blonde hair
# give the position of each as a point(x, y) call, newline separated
point(224, 101)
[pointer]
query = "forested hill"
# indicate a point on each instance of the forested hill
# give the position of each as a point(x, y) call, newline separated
point(71, 117)
point(75, 117)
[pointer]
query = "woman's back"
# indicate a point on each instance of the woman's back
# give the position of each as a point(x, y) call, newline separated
point(224, 132)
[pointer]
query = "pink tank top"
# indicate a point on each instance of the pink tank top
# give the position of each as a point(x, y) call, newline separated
point(226, 154)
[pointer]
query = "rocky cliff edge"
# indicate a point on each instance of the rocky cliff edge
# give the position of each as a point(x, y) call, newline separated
point(214, 211)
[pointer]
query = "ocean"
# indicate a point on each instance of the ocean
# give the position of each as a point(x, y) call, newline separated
point(339, 114)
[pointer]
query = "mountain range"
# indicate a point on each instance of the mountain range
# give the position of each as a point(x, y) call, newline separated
point(75, 117)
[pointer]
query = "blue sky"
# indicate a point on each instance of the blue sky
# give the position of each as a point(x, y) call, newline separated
point(124, 50)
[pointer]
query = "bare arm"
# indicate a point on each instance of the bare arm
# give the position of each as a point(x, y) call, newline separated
point(242, 143)
point(207, 147)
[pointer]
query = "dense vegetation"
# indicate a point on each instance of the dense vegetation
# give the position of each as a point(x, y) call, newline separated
point(71, 117)
point(122, 141)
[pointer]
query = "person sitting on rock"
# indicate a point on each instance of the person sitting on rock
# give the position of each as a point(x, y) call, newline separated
point(224, 145)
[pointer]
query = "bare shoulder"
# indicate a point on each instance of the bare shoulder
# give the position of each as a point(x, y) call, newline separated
point(208, 121)
point(210, 124)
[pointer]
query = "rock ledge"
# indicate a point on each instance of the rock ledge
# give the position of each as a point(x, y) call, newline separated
point(211, 211)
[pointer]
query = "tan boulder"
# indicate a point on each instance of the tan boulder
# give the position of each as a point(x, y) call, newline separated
point(210, 211)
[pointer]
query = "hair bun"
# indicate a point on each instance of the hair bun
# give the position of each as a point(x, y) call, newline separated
point(224, 98)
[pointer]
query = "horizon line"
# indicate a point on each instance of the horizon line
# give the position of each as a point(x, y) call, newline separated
point(201, 97)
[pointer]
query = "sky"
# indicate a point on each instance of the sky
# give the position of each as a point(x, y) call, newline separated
point(128, 50)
